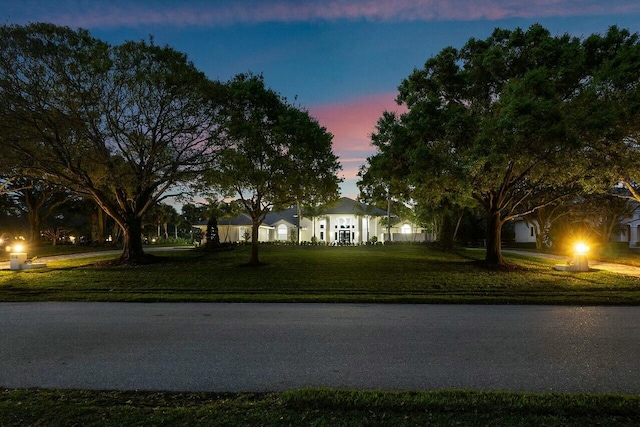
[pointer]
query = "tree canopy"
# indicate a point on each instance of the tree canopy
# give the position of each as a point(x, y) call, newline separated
point(121, 124)
point(507, 122)
point(276, 154)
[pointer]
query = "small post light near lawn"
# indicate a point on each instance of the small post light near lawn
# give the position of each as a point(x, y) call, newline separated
point(580, 262)
point(17, 256)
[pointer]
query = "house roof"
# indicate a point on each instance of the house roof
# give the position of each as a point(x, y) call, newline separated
point(290, 215)
point(347, 206)
point(242, 219)
point(344, 206)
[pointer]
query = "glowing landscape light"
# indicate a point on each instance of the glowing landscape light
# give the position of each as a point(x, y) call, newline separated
point(579, 262)
point(581, 248)
point(17, 256)
point(18, 247)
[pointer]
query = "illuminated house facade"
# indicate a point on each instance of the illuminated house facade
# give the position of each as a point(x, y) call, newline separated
point(345, 223)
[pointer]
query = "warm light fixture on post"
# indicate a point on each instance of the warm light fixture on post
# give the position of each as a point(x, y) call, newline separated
point(579, 261)
point(17, 256)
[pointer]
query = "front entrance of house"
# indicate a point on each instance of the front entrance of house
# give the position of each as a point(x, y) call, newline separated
point(344, 237)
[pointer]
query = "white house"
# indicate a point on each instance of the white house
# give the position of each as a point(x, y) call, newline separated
point(346, 222)
point(524, 232)
point(629, 230)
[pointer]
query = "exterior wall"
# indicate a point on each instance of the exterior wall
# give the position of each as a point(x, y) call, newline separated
point(229, 233)
point(405, 232)
point(623, 235)
point(235, 233)
point(524, 232)
point(633, 230)
point(337, 225)
point(328, 229)
point(409, 237)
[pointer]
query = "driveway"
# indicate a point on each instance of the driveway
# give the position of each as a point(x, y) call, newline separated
point(628, 270)
point(271, 347)
point(5, 265)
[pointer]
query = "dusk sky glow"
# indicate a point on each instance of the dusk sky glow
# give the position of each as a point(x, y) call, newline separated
point(340, 59)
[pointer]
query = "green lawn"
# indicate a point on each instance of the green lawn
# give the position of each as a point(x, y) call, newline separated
point(398, 273)
point(316, 407)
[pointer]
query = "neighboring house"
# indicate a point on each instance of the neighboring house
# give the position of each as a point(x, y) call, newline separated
point(346, 222)
point(629, 230)
point(524, 232)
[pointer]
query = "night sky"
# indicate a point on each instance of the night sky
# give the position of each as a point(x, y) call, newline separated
point(343, 60)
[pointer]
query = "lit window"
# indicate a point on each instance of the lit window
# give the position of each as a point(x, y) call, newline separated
point(406, 229)
point(282, 232)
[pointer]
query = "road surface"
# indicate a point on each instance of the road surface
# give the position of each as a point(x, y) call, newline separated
point(272, 347)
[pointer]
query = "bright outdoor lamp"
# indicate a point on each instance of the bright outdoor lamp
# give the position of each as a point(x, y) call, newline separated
point(581, 248)
point(18, 247)
point(579, 262)
point(17, 256)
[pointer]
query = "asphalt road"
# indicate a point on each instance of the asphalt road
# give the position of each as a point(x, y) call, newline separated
point(272, 347)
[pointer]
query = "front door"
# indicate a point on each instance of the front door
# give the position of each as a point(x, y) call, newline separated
point(344, 237)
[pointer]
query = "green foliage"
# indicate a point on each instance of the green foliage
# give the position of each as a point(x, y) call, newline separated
point(276, 154)
point(120, 124)
point(512, 122)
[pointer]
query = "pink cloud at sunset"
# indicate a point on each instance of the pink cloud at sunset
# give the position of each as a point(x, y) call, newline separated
point(224, 14)
point(351, 122)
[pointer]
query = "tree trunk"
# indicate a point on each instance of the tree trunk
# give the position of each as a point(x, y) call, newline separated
point(132, 239)
point(446, 230)
point(101, 218)
point(254, 243)
point(299, 218)
point(34, 227)
point(455, 232)
point(389, 217)
point(314, 240)
point(115, 233)
point(539, 241)
point(494, 237)
point(97, 227)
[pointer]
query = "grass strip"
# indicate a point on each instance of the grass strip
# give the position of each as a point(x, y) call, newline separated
point(381, 274)
point(317, 407)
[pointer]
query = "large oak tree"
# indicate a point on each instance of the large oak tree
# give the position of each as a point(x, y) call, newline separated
point(122, 124)
point(495, 121)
